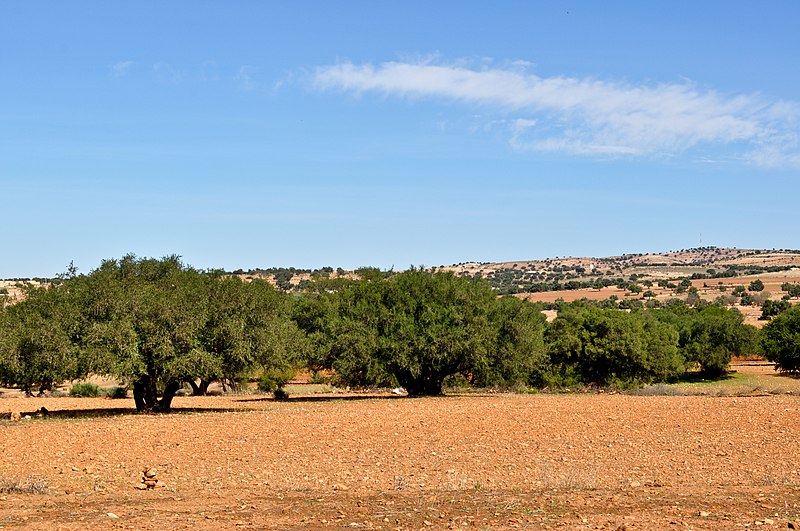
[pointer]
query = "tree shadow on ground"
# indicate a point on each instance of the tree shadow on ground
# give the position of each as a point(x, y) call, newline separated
point(114, 412)
point(322, 398)
point(699, 377)
point(792, 375)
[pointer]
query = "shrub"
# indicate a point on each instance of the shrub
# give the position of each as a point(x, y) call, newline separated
point(756, 285)
point(274, 379)
point(85, 390)
point(116, 392)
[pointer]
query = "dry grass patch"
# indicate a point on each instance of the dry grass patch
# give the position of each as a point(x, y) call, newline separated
point(30, 485)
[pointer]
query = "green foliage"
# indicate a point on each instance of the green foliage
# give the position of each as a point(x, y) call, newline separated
point(710, 335)
point(157, 324)
point(607, 346)
point(37, 346)
point(793, 290)
point(413, 329)
point(746, 299)
point(756, 285)
point(116, 393)
point(318, 378)
point(280, 394)
point(770, 308)
point(85, 390)
point(148, 315)
point(249, 325)
point(780, 341)
point(630, 304)
point(518, 354)
point(154, 324)
point(274, 379)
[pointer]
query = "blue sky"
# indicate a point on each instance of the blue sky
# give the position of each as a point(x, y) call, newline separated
point(259, 134)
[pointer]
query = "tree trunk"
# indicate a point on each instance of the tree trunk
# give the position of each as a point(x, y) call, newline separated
point(422, 385)
point(138, 395)
point(199, 389)
point(170, 389)
point(229, 385)
point(146, 398)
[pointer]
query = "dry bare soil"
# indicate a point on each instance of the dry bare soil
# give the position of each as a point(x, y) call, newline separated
point(487, 461)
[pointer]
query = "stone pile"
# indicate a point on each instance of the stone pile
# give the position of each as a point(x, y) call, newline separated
point(149, 479)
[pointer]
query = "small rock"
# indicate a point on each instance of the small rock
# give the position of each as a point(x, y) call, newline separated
point(150, 472)
point(769, 521)
point(112, 516)
point(635, 484)
point(15, 416)
point(705, 514)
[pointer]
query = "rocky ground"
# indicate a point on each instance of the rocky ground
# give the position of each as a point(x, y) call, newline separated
point(544, 461)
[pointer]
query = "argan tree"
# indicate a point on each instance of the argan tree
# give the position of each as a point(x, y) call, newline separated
point(144, 318)
point(599, 346)
point(780, 341)
point(413, 328)
point(38, 348)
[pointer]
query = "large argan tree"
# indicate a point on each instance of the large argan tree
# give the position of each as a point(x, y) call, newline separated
point(143, 319)
point(158, 324)
point(413, 328)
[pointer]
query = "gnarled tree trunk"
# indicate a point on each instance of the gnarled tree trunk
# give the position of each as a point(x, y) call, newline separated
point(145, 394)
point(199, 389)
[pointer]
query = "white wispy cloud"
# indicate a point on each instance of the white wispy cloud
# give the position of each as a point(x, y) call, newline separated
point(121, 68)
point(592, 116)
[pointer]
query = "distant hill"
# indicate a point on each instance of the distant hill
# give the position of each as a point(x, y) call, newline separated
point(723, 275)
point(709, 273)
point(701, 262)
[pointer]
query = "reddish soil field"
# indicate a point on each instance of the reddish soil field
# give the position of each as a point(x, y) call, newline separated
point(579, 461)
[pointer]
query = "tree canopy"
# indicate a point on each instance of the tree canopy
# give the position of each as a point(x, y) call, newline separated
point(414, 328)
point(780, 340)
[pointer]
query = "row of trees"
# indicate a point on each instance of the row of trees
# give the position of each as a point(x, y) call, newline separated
point(157, 325)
